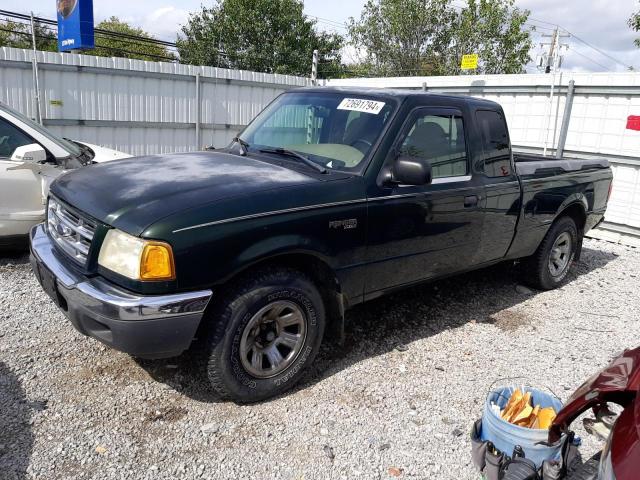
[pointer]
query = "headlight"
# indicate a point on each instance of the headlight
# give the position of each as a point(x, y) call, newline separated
point(605, 471)
point(136, 258)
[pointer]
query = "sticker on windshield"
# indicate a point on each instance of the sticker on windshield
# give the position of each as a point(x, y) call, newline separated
point(361, 105)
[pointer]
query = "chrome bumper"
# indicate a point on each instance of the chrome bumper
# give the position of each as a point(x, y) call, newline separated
point(151, 326)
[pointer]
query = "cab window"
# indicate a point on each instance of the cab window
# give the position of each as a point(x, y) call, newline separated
point(11, 138)
point(440, 140)
point(495, 143)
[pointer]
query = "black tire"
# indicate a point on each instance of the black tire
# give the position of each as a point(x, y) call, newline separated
point(538, 270)
point(243, 303)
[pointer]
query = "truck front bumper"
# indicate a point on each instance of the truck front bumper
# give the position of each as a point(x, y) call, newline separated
point(154, 326)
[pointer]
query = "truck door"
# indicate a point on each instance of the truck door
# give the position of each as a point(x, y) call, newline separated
point(420, 232)
point(502, 204)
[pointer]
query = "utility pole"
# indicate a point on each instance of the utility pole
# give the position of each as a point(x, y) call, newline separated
point(314, 68)
point(311, 114)
point(553, 58)
point(552, 66)
point(36, 82)
point(552, 51)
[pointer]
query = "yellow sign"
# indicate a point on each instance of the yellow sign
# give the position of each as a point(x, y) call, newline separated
point(469, 62)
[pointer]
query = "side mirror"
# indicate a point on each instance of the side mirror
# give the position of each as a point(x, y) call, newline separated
point(29, 153)
point(411, 171)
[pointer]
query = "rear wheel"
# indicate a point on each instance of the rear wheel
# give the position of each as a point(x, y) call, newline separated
point(548, 267)
point(266, 332)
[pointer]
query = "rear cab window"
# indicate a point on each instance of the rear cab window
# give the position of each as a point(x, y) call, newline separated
point(495, 144)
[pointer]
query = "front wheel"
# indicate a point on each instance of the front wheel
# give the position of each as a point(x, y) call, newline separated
point(266, 332)
point(548, 267)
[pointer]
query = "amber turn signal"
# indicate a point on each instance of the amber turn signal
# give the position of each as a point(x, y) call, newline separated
point(156, 262)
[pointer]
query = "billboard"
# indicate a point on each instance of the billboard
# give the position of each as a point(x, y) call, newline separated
point(75, 24)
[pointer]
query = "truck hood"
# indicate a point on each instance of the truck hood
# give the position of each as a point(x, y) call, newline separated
point(619, 383)
point(134, 193)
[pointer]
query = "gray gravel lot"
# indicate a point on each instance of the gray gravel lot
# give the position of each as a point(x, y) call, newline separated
point(71, 408)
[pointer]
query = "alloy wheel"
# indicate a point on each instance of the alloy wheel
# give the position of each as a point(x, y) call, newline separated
point(560, 254)
point(273, 339)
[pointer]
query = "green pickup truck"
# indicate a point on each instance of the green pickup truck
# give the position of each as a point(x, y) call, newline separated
point(329, 198)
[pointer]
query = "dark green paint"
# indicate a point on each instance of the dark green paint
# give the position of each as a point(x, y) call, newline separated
point(259, 210)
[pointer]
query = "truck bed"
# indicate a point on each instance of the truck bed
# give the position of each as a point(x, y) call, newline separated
point(531, 164)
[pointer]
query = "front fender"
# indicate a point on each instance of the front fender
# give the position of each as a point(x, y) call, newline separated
point(277, 246)
point(618, 383)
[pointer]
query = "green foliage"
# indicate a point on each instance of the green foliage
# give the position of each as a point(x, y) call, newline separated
point(403, 37)
point(634, 22)
point(496, 31)
point(271, 36)
point(110, 46)
point(429, 37)
point(18, 35)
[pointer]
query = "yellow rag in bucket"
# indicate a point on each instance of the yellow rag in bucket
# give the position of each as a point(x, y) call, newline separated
point(519, 411)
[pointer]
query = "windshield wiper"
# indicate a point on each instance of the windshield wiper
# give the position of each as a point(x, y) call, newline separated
point(291, 153)
point(244, 146)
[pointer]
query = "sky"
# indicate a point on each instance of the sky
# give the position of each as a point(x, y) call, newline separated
point(600, 23)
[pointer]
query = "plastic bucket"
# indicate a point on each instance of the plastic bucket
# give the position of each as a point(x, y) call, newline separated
point(505, 436)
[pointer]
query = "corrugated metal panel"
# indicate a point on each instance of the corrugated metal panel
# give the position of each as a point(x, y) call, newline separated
point(78, 88)
point(624, 207)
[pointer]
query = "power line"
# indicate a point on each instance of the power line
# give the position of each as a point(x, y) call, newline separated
point(53, 37)
point(552, 24)
point(27, 34)
point(134, 39)
point(539, 27)
point(581, 40)
point(100, 31)
point(588, 58)
point(598, 50)
point(329, 21)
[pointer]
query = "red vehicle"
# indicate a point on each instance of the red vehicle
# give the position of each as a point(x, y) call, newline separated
point(619, 384)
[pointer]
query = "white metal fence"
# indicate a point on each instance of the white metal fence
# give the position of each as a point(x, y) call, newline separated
point(535, 106)
point(136, 106)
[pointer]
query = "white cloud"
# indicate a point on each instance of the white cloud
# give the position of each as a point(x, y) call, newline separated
point(154, 16)
point(601, 23)
point(165, 22)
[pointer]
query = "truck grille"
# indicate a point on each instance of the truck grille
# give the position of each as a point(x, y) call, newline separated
point(70, 231)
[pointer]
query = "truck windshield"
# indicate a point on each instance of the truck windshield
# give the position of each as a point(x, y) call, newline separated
point(335, 130)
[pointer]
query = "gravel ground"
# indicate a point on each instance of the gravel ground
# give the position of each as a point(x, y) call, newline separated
point(397, 400)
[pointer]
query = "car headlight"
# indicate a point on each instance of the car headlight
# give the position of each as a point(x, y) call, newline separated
point(136, 258)
point(605, 471)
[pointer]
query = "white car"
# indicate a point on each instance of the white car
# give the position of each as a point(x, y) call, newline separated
point(31, 157)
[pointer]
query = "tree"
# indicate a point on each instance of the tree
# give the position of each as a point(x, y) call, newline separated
point(429, 37)
point(634, 23)
point(495, 30)
point(403, 37)
point(272, 36)
point(18, 35)
point(120, 46)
